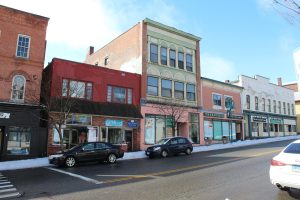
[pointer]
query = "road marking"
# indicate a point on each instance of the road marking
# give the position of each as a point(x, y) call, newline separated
point(138, 176)
point(76, 175)
point(8, 190)
point(15, 194)
point(3, 177)
point(6, 186)
point(3, 180)
point(1, 183)
point(187, 168)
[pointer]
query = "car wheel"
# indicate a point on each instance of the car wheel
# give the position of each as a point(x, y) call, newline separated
point(188, 151)
point(164, 154)
point(111, 158)
point(70, 161)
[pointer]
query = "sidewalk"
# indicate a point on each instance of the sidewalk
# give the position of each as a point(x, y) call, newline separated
point(43, 162)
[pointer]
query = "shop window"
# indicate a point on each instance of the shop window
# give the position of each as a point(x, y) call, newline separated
point(280, 127)
point(284, 108)
point(208, 129)
point(152, 86)
point(274, 106)
point(119, 94)
point(190, 92)
point(248, 101)
point(23, 46)
point(233, 131)
point(163, 55)
point(77, 89)
point(194, 127)
point(179, 90)
point(276, 128)
point(289, 128)
point(172, 56)
point(272, 127)
point(217, 100)
point(265, 127)
point(150, 130)
point(189, 62)
point(225, 127)
point(18, 141)
point(18, 88)
point(153, 53)
point(166, 88)
point(254, 127)
point(180, 60)
point(115, 136)
point(256, 103)
point(217, 130)
point(263, 104)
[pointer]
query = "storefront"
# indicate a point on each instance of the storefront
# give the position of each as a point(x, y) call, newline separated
point(218, 125)
point(21, 137)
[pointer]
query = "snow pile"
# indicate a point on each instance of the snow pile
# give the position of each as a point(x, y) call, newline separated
point(43, 162)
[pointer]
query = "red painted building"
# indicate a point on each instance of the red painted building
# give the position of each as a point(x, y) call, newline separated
point(107, 107)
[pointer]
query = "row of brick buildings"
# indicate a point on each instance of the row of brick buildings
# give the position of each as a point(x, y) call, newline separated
point(142, 86)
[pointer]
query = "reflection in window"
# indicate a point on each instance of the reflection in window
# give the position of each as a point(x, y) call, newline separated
point(166, 88)
point(180, 60)
point(23, 46)
point(152, 86)
point(119, 95)
point(179, 90)
point(189, 62)
point(217, 100)
point(190, 92)
point(153, 53)
point(18, 87)
point(163, 55)
point(18, 141)
point(172, 58)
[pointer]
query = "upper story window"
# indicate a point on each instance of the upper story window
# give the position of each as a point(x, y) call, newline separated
point(229, 104)
point(256, 103)
point(77, 89)
point(293, 109)
point(179, 90)
point(166, 88)
point(248, 101)
point(279, 107)
point(119, 94)
point(153, 53)
point(18, 88)
point(269, 105)
point(284, 108)
point(172, 58)
point(180, 60)
point(191, 92)
point(152, 86)
point(23, 46)
point(263, 104)
point(217, 100)
point(189, 62)
point(288, 109)
point(274, 106)
point(163, 55)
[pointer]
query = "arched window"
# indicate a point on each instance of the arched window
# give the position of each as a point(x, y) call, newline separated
point(248, 101)
point(18, 88)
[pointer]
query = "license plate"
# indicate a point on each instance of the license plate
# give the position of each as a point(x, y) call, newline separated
point(296, 168)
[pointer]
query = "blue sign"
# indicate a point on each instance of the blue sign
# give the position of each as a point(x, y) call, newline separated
point(132, 124)
point(114, 122)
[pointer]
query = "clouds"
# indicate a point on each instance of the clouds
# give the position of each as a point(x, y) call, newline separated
point(217, 68)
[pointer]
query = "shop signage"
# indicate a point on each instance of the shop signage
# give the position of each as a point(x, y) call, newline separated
point(236, 117)
point(259, 119)
point(132, 124)
point(114, 122)
point(4, 115)
point(275, 121)
point(79, 119)
point(206, 114)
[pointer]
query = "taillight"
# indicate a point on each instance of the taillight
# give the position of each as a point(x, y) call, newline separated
point(277, 163)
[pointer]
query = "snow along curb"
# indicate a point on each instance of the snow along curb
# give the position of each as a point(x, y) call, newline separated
point(43, 162)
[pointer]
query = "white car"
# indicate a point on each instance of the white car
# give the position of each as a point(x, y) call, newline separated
point(285, 167)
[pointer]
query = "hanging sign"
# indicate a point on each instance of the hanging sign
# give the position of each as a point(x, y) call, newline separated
point(132, 124)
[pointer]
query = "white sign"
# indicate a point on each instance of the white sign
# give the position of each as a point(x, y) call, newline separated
point(92, 135)
point(4, 115)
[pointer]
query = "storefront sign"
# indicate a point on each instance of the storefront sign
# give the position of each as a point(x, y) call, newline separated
point(132, 124)
point(79, 119)
point(213, 115)
point(259, 119)
point(275, 121)
point(236, 117)
point(114, 122)
point(4, 115)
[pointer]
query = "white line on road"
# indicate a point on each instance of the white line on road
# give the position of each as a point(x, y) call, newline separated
point(141, 176)
point(3, 180)
point(15, 194)
point(6, 186)
point(76, 175)
point(8, 190)
point(2, 177)
point(6, 182)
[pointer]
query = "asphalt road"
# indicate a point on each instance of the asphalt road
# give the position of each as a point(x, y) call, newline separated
point(235, 174)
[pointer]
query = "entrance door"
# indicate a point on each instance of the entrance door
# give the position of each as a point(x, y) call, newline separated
point(1, 139)
point(128, 139)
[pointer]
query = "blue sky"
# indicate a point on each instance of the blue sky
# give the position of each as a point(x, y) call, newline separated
point(238, 36)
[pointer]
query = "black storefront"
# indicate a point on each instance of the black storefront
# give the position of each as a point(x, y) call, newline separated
point(21, 136)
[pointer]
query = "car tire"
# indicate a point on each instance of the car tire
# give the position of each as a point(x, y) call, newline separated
point(70, 161)
point(112, 158)
point(188, 151)
point(164, 153)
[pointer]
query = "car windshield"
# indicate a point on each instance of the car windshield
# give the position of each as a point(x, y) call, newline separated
point(293, 148)
point(163, 141)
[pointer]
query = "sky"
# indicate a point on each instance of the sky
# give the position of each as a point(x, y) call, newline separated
point(247, 37)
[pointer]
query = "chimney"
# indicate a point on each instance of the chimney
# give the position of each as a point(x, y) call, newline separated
point(91, 50)
point(279, 81)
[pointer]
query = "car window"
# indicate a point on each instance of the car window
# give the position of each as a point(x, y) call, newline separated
point(173, 141)
point(88, 147)
point(182, 141)
point(293, 148)
point(102, 146)
point(163, 141)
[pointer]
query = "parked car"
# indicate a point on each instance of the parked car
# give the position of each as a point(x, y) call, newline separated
point(90, 151)
point(170, 146)
point(285, 167)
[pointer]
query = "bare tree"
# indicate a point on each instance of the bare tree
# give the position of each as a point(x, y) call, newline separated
point(288, 9)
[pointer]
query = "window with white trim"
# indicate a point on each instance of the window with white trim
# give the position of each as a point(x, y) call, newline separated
point(217, 100)
point(172, 56)
point(166, 88)
point(119, 94)
point(179, 90)
point(180, 60)
point(77, 89)
point(18, 88)
point(153, 53)
point(23, 46)
point(189, 62)
point(163, 55)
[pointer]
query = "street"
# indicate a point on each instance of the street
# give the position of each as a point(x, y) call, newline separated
point(235, 174)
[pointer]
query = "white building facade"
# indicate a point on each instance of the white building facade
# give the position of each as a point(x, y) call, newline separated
point(269, 109)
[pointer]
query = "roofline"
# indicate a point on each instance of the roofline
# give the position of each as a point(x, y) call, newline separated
point(171, 29)
point(228, 84)
point(24, 12)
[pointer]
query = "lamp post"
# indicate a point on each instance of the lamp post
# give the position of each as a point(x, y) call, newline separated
point(229, 104)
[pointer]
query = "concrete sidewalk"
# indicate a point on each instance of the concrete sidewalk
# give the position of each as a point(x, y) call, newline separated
point(43, 162)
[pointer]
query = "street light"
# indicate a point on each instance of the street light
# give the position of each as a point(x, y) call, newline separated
point(229, 104)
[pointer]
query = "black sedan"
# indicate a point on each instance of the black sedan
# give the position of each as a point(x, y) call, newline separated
point(90, 151)
point(167, 146)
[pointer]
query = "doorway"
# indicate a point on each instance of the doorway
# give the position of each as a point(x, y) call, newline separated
point(128, 139)
point(1, 139)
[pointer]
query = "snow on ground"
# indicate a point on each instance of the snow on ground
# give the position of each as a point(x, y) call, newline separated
point(43, 162)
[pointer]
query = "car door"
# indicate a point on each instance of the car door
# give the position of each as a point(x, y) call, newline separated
point(173, 146)
point(102, 150)
point(182, 145)
point(87, 152)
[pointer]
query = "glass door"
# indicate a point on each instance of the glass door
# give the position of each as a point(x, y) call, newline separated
point(128, 139)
